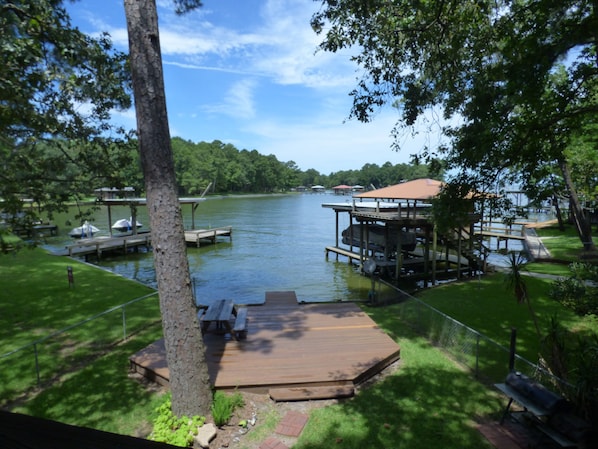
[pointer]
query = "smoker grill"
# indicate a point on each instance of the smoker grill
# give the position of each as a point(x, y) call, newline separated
point(554, 414)
point(536, 393)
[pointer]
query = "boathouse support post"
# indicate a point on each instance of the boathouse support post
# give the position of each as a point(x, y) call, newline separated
point(434, 249)
point(427, 256)
point(361, 242)
point(110, 219)
point(459, 251)
point(399, 260)
point(337, 230)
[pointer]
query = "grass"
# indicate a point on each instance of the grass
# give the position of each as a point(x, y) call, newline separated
point(101, 395)
point(36, 301)
point(487, 306)
point(553, 269)
point(563, 245)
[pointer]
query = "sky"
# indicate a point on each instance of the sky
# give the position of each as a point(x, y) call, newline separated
point(248, 73)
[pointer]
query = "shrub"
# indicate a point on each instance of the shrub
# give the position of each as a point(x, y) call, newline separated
point(224, 405)
point(172, 430)
point(578, 292)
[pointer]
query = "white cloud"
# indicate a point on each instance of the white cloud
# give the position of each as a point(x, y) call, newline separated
point(238, 101)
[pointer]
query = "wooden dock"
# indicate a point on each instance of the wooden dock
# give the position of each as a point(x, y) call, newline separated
point(418, 259)
point(501, 236)
point(196, 236)
point(293, 351)
point(100, 245)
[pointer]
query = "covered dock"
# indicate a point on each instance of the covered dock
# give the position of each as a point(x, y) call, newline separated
point(402, 212)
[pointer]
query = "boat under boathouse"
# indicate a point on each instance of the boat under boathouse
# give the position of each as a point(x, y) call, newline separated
point(393, 227)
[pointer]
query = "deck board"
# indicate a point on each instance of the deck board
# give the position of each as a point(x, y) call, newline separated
point(290, 345)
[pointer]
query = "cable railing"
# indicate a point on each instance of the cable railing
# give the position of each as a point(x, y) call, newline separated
point(487, 359)
point(55, 352)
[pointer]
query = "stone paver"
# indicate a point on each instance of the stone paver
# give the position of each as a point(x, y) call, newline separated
point(292, 424)
point(272, 443)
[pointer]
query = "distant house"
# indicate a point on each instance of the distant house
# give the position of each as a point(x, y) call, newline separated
point(342, 189)
point(112, 193)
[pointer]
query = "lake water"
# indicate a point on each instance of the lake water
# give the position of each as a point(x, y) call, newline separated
point(278, 243)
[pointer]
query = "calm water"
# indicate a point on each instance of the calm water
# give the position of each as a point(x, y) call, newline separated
point(278, 244)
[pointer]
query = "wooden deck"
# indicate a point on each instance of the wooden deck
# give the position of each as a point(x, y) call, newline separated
point(196, 236)
point(99, 245)
point(293, 351)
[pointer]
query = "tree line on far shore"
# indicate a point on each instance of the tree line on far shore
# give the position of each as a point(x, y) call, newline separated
point(228, 170)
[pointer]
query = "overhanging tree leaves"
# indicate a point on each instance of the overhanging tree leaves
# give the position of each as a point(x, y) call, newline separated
point(57, 90)
point(517, 76)
point(185, 351)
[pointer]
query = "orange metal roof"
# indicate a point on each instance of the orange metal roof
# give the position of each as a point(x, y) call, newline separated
point(418, 189)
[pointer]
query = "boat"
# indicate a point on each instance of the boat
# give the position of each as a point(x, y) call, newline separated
point(379, 237)
point(86, 230)
point(124, 225)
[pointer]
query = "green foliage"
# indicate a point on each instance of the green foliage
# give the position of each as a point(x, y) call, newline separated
point(51, 148)
point(224, 405)
point(178, 431)
point(578, 291)
point(516, 83)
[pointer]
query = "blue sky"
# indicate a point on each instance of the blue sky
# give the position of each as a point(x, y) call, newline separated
point(246, 72)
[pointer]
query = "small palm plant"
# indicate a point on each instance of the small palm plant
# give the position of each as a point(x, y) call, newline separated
point(516, 282)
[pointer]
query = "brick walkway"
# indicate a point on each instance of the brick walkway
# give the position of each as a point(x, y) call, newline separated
point(290, 426)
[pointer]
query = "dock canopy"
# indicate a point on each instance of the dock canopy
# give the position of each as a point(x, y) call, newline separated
point(342, 189)
point(419, 189)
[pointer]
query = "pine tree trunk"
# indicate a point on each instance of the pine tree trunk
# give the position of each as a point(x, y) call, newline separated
point(185, 351)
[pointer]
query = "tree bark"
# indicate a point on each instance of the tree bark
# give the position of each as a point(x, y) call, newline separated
point(584, 228)
point(185, 351)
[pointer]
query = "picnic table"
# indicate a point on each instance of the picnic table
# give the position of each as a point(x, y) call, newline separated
point(220, 312)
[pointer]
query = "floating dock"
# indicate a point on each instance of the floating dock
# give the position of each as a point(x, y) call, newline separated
point(196, 236)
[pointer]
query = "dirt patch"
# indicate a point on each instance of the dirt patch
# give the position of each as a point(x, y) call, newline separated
point(262, 407)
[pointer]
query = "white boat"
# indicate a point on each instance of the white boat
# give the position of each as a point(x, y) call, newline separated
point(124, 225)
point(86, 230)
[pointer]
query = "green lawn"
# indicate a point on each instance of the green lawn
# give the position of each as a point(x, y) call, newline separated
point(36, 301)
point(487, 306)
point(563, 245)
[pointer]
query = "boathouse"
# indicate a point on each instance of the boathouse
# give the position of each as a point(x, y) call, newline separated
point(393, 227)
